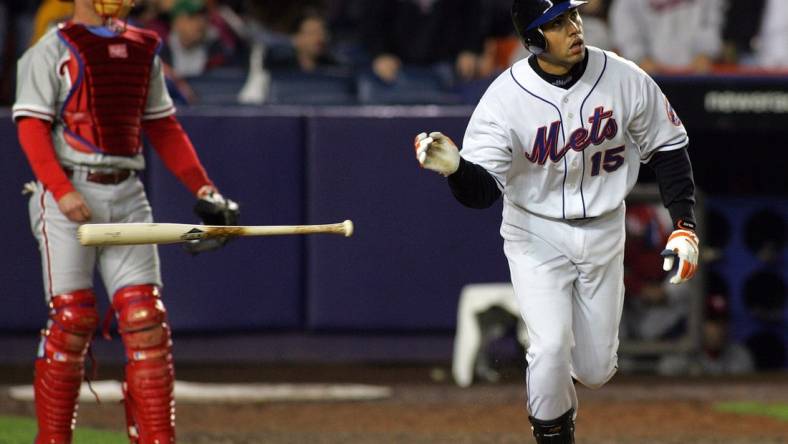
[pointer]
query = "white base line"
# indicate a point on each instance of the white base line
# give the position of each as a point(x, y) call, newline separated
point(193, 392)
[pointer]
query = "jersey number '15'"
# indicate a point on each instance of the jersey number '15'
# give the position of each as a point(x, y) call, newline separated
point(610, 160)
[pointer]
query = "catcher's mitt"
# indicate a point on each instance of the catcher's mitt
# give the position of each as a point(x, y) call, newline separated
point(213, 209)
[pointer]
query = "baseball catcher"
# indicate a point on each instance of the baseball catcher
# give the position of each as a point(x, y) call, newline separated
point(87, 91)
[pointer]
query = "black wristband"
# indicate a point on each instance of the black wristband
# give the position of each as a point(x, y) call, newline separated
point(684, 224)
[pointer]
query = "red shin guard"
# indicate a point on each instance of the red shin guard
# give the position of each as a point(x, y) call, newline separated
point(150, 375)
point(58, 374)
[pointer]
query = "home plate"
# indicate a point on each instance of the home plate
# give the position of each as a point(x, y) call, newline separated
point(198, 392)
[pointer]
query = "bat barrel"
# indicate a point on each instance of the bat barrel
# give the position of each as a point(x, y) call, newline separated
point(163, 233)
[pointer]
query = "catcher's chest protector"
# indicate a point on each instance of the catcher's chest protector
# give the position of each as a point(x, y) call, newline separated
point(110, 78)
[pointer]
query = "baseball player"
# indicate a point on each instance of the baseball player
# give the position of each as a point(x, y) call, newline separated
point(86, 93)
point(561, 135)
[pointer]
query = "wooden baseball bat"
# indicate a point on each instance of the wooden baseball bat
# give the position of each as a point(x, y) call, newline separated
point(154, 233)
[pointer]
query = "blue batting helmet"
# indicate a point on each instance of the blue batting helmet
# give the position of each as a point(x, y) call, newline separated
point(529, 15)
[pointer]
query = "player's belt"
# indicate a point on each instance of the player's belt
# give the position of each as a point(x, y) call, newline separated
point(113, 177)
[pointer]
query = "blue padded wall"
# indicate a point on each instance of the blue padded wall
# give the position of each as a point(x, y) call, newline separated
point(252, 283)
point(22, 298)
point(739, 265)
point(414, 246)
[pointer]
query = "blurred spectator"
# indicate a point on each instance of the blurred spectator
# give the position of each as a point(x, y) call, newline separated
point(278, 16)
point(653, 308)
point(595, 24)
point(444, 35)
point(269, 23)
point(224, 17)
point(16, 27)
point(772, 49)
point(6, 60)
point(665, 36)
point(742, 24)
point(344, 20)
point(307, 49)
point(153, 15)
point(193, 46)
point(49, 14)
point(500, 40)
point(720, 355)
point(4, 30)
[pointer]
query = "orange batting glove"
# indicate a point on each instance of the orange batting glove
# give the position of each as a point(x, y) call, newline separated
point(684, 246)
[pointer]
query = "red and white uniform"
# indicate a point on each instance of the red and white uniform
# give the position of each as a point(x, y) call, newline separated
point(85, 97)
point(55, 90)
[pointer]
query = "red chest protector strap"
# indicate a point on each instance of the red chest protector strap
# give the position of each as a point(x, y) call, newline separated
point(110, 77)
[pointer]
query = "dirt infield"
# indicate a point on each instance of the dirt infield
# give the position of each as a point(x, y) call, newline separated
point(425, 409)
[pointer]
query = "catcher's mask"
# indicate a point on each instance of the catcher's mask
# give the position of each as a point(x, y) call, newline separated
point(117, 9)
point(111, 9)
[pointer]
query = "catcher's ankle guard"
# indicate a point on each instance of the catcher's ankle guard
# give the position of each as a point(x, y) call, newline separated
point(560, 430)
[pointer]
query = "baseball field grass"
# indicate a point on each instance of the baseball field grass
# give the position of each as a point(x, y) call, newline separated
point(17, 430)
point(779, 411)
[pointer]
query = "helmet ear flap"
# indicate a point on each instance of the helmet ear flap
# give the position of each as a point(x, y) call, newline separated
point(535, 41)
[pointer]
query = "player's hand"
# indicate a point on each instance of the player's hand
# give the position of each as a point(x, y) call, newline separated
point(682, 246)
point(213, 209)
point(74, 207)
point(207, 190)
point(437, 152)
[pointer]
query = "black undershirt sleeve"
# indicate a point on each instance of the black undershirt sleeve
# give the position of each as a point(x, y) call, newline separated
point(676, 185)
point(473, 186)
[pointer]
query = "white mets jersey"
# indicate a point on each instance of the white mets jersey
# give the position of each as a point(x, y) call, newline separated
point(570, 153)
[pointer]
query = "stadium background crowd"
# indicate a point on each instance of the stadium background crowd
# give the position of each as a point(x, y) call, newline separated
point(407, 51)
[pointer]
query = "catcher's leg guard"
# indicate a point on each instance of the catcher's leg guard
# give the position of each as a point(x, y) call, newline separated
point(556, 431)
point(59, 372)
point(150, 376)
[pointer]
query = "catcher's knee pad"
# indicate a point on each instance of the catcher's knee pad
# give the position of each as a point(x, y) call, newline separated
point(560, 430)
point(59, 371)
point(150, 406)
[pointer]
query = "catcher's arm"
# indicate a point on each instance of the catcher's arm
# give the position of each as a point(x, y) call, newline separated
point(176, 151)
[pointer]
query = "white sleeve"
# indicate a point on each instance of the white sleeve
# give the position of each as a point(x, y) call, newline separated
point(487, 143)
point(159, 101)
point(654, 125)
point(38, 85)
point(629, 29)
